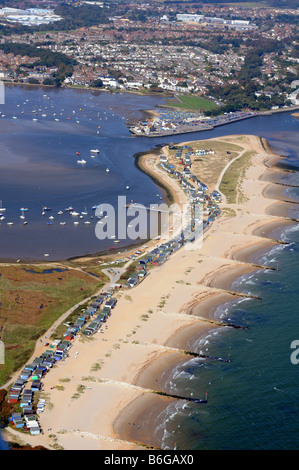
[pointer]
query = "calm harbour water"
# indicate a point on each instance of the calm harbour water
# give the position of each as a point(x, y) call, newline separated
point(252, 399)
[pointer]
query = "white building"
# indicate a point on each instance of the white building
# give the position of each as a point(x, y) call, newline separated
point(189, 17)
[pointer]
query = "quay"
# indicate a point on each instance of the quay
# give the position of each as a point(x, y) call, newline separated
point(178, 122)
point(173, 125)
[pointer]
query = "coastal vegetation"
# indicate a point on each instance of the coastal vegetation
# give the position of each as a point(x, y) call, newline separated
point(230, 183)
point(32, 298)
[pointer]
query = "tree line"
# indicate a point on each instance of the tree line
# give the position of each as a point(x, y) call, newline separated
point(45, 57)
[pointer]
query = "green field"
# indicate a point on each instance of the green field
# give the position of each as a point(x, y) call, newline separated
point(192, 103)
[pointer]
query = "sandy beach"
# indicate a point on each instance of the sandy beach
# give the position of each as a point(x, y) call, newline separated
point(102, 396)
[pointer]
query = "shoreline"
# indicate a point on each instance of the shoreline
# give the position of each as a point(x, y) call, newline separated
point(207, 307)
point(148, 355)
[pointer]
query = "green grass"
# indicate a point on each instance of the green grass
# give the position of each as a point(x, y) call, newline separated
point(24, 326)
point(232, 178)
point(192, 103)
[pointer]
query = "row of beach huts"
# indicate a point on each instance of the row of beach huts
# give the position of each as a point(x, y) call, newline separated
point(23, 391)
point(197, 192)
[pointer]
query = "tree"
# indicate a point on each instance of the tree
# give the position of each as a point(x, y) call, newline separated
point(97, 83)
point(33, 81)
point(48, 81)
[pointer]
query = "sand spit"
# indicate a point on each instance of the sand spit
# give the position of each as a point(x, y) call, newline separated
point(101, 396)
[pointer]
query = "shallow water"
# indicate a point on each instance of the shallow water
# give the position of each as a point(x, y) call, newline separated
point(38, 163)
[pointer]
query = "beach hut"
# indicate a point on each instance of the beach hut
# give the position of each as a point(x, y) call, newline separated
point(142, 273)
point(132, 282)
point(36, 385)
point(17, 420)
point(110, 303)
point(19, 423)
point(35, 430)
point(25, 374)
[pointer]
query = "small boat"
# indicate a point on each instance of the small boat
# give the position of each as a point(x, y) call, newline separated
point(77, 153)
point(87, 222)
point(60, 212)
point(25, 223)
point(81, 161)
point(96, 151)
point(62, 223)
point(9, 223)
point(46, 254)
point(127, 187)
point(76, 223)
point(107, 170)
point(74, 212)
